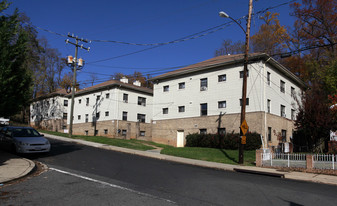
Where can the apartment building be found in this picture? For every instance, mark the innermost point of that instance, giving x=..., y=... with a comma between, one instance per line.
x=112, y=108
x=50, y=111
x=206, y=98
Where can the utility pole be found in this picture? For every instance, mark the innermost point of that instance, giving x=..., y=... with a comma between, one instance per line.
x=244, y=85
x=73, y=62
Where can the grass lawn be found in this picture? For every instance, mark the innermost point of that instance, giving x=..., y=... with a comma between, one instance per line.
x=130, y=144
x=207, y=154
x=211, y=154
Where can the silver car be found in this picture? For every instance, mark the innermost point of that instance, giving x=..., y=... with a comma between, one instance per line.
x=23, y=140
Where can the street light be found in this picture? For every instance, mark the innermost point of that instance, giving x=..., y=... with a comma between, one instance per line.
x=243, y=123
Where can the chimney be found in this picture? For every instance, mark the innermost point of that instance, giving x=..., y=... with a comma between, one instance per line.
x=124, y=80
x=137, y=83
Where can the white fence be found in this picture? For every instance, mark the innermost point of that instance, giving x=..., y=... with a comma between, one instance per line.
x=284, y=160
x=324, y=161
x=319, y=161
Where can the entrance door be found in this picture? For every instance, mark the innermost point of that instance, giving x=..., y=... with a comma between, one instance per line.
x=180, y=138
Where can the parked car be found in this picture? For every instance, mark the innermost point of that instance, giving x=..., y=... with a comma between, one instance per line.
x=4, y=121
x=23, y=140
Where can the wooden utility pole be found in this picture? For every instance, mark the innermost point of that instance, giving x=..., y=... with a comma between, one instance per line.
x=244, y=86
x=74, y=62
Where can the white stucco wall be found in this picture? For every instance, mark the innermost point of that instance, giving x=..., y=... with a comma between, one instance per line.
x=114, y=105
x=258, y=91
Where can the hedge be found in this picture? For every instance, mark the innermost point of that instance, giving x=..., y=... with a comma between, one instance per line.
x=229, y=141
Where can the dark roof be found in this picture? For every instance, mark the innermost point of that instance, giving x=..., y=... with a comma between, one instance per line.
x=112, y=84
x=59, y=92
x=228, y=60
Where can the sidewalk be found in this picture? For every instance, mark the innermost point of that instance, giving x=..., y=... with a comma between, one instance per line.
x=13, y=167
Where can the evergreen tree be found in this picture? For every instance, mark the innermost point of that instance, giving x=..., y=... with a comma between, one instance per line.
x=15, y=78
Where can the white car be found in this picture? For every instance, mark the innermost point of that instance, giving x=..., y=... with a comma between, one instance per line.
x=23, y=140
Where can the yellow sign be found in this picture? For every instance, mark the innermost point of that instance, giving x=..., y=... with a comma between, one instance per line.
x=243, y=140
x=244, y=127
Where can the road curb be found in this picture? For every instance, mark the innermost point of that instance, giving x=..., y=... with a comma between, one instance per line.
x=272, y=174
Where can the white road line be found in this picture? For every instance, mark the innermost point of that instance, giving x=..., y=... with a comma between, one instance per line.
x=109, y=184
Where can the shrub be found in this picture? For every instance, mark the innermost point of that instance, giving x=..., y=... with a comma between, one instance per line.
x=229, y=141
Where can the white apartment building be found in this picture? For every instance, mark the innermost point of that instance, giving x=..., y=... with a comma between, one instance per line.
x=112, y=108
x=50, y=111
x=206, y=97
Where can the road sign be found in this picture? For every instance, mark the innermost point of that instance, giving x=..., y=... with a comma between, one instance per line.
x=243, y=140
x=244, y=127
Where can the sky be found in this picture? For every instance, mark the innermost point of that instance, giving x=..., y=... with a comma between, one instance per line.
x=141, y=22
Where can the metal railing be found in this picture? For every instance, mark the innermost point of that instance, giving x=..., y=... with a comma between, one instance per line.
x=321, y=161
x=284, y=160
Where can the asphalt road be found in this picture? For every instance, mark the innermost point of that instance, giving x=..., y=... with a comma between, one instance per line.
x=82, y=175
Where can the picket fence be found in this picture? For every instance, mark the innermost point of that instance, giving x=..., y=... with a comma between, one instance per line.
x=320, y=161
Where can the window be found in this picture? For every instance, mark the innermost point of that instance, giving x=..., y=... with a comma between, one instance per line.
x=165, y=110
x=52, y=114
x=142, y=133
x=203, y=84
x=65, y=115
x=284, y=135
x=86, y=132
x=105, y=131
x=182, y=85
x=142, y=101
x=181, y=109
x=65, y=103
x=53, y=101
x=293, y=114
x=222, y=78
x=125, y=98
x=283, y=111
x=222, y=104
x=107, y=95
x=203, y=131
x=86, y=117
x=269, y=134
x=79, y=117
x=166, y=88
x=241, y=74
x=87, y=102
x=96, y=132
x=268, y=78
x=123, y=132
x=141, y=117
x=268, y=105
x=125, y=116
x=98, y=97
x=97, y=115
x=106, y=113
x=292, y=91
x=203, y=109
x=222, y=131
x=79, y=101
x=247, y=102
x=282, y=86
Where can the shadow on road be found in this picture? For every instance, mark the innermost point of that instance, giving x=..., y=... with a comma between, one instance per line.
x=57, y=148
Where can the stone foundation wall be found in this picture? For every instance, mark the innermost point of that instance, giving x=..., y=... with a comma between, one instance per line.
x=115, y=129
x=165, y=131
x=56, y=125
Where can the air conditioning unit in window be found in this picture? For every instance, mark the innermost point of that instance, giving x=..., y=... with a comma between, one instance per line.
x=283, y=114
x=203, y=88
